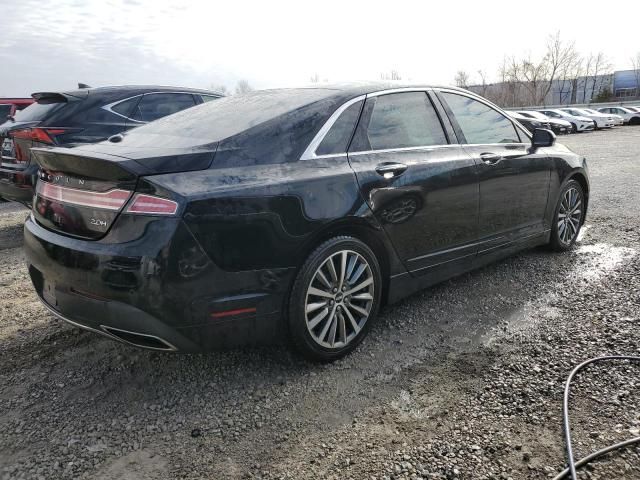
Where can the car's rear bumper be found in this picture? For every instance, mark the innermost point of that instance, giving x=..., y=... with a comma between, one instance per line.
x=18, y=185
x=146, y=293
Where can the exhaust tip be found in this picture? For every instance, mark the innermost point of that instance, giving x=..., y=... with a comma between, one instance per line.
x=141, y=340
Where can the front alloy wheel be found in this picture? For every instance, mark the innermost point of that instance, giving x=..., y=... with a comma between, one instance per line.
x=568, y=217
x=334, y=299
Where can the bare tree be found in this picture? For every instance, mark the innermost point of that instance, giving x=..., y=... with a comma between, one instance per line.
x=483, y=82
x=596, y=66
x=392, y=75
x=568, y=78
x=243, y=86
x=636, y=72
x=559, y=59
x=462, y=79
x=315, y=78
x=220, y=88
x=530, y=80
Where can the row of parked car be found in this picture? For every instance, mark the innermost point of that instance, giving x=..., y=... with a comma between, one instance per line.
x=574, y=120
x=90, y=115
x=71, y=118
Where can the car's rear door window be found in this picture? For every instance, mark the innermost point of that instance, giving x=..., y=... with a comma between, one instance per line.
x=480, y=124
x=399, y=120
x=153, y=106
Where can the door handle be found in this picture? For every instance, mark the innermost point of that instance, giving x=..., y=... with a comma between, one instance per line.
x=390, y=170
x=490, y=158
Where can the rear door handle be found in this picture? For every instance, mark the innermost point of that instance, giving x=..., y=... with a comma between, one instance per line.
x=390, y=170
x=490, y=158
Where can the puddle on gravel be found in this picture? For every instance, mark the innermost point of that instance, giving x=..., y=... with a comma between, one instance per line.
x=601, y=258
x=592, y=263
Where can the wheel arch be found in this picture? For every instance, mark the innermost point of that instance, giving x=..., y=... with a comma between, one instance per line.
x=374, y=237
x=584, y=183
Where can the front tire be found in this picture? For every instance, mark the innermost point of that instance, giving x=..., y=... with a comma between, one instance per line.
x=568, y=217
x=334, y=299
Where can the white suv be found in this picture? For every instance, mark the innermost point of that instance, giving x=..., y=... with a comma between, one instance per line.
x=601, y=120
x=628, y=115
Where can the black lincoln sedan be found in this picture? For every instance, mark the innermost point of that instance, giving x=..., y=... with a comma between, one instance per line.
x=291, y=213
x=80, y=116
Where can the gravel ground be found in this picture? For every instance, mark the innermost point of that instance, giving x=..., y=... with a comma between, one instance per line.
x=463, y=380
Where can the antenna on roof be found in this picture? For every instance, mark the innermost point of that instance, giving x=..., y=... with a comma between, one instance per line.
x=83, y=85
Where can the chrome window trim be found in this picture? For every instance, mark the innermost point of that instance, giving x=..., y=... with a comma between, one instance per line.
x=310, y=151
x=404, y=149
x=109, y=107
x=436, y=147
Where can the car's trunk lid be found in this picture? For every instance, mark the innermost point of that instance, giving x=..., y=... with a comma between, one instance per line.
x=81, y=192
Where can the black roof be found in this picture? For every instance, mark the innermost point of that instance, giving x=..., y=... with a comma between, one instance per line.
x=356, y=89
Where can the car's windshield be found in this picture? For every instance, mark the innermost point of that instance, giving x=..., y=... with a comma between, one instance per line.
x=578, y=112
x=538, y=115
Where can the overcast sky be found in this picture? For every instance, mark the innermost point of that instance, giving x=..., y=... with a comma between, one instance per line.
x=53, y=45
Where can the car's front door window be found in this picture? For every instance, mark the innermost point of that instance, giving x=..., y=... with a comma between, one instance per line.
x=480, y=124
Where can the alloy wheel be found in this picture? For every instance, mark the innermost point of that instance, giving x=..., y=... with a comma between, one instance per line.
x=569, y=215
x=339, y=299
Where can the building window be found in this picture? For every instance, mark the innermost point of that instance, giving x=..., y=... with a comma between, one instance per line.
x=625, y=92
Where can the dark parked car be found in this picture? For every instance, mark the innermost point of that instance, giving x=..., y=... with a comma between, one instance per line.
x=291, y=213
x=529, y=123
x=76, y=117
x=558, y=126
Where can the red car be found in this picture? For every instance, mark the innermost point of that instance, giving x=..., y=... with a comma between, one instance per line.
x=9, y=106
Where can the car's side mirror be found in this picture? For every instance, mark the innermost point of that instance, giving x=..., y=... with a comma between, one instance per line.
x=542, y=138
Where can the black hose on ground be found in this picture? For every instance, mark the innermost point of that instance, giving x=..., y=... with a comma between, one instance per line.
x=573, y=465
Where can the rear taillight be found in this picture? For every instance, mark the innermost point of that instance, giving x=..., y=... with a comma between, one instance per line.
x=41, y=135
x=151, y=205
x=111, y=200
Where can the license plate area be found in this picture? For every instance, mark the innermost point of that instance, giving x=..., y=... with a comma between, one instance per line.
x=49, y=293
x=8, y=149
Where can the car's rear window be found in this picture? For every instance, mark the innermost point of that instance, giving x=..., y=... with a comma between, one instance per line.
x=38, y=111
x=226, y=117
x=4, y=111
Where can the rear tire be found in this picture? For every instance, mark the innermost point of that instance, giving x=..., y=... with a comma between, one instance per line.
x=568, y=217
x=335, y=299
